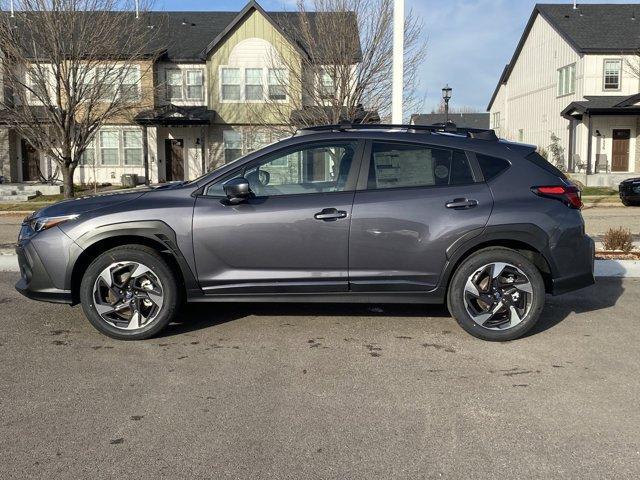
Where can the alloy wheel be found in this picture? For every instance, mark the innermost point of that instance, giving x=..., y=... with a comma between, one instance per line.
x=498, y=296
x=128, y=295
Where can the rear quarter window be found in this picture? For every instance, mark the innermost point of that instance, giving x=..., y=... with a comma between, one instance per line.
x=541, y=162
x=491, y=166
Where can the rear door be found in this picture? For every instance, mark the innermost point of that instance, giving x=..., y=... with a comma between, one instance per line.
x=293, y=236
x=413, y=202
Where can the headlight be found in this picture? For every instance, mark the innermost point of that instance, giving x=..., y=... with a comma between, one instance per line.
x=43, y=223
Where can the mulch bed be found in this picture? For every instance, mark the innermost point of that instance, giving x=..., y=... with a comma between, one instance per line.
x=617, y=255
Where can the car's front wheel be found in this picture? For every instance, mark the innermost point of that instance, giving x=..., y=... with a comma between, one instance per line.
x=496, y=294
x=129, y=293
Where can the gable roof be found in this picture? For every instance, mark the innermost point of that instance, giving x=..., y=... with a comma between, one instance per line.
x=466, y=120
x=589, y=29
x=191, y=36
x=604, y=105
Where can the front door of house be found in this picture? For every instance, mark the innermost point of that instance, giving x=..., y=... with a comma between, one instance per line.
x=174, y=155
x=620, y=153
x=30, y=160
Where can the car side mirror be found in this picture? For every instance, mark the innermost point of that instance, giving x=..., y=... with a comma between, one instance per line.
x=237, y=190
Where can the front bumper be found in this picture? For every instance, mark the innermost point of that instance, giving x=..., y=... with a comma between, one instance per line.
x=43, y=262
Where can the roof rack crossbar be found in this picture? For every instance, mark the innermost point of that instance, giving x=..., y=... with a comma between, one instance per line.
x=477, y=133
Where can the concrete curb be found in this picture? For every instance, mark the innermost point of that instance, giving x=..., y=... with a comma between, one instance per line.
x=603, y=268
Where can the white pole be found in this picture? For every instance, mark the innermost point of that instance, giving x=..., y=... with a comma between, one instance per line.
x=12, y=14
x=398, y=61
x=137, y=9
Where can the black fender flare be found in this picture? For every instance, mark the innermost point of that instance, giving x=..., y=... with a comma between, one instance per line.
x=155, y=231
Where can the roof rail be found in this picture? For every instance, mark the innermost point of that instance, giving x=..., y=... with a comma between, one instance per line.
x=477, y=133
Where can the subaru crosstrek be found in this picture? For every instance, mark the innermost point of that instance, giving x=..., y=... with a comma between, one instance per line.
x=375, y=214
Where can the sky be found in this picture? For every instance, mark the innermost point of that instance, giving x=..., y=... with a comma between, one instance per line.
x=468, y=41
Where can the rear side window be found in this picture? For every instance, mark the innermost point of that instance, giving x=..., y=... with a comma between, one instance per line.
x=395, y=165
x=540, y=161
x=491, y=166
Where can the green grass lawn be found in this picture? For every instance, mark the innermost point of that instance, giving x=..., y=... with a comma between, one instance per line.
x=599, y=191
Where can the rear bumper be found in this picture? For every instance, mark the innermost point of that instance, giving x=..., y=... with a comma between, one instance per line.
x=579, y=273
x=35, y=282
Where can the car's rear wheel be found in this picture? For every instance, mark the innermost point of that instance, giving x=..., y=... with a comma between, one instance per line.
x=129, y=293
x=496, y=294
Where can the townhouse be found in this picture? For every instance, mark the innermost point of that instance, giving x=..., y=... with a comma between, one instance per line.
x=574, y=74
x=209, y=88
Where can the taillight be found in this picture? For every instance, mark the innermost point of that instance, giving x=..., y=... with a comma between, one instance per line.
x=567, y=194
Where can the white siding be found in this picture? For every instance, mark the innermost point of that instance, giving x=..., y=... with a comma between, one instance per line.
x=594, y=70
x=529, y=100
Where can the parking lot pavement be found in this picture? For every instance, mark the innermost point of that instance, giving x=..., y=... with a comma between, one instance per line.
x=599, y=220
x=311, y=391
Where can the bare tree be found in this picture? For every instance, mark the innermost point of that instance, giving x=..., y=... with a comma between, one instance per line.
x=455, y=109
x=70, y=67
x=329, y=77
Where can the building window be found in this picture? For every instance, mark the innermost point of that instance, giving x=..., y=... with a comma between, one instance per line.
x=195, y=84
x=277, y=82
x=119, y=82
x=327, y=85
x=253, y=84
x=495, y=120
x=130, y=85
x=230, y=81
x=567, y=80
x=232, y=145
x=612, y=69
x=174, y=84
x=132, y=142
x=88, y=157
x=109, y=147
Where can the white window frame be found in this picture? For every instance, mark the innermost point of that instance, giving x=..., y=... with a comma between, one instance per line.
x=245, y=84
x=184, y=84
x=118, y=91
x=266, y=83
x=495, y=120
x=83, y=159
x=321, y=86
x=604, y=74
x=566, y=80
x=100, y=160
x=125, y=148
x=30, y=97
x=226, y=133
x=240, y=98
x=200, y=71
x=167, y=71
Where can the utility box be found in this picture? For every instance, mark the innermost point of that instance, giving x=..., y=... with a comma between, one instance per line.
x=129, y=180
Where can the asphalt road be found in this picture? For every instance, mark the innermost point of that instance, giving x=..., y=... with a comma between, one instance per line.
x=322, y=392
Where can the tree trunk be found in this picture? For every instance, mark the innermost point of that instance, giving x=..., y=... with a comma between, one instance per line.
x=67, y=180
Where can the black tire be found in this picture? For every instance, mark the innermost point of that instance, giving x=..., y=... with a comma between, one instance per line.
x=154, y=261
x=456, y=293
x=628, y=203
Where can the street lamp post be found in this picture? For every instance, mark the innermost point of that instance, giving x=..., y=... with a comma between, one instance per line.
x=446, y=96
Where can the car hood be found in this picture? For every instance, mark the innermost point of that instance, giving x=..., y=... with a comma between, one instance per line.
x=87, y=204
x=629, y=180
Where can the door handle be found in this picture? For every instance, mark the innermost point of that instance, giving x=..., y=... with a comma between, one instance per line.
x=461, y=203
x=330, y=214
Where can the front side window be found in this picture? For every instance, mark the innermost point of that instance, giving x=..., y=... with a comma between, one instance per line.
x=174, y=84
x=132, y=143
x=109, y=146
x=402, y=165
x=567, y=80
x=316, y=168
x=277, y=80
x=88, y=157
x=230, y=84
x=612, y=69
x=232, y=141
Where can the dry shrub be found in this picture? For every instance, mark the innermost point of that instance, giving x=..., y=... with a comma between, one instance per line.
x=618, y=239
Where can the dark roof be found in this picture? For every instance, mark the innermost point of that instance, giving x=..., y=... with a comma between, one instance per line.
x=604, y=105
x=594, y=28
x=466, y=120
x=185, y=36
x=318, y=115
x=190, y=36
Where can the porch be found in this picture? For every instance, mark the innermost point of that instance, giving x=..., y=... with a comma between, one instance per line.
x=604, y=143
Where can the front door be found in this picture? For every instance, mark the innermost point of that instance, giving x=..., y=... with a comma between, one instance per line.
x=417, y=202
x=620, y=153
x=174, y=155
x=293, y=236
x=30, y=159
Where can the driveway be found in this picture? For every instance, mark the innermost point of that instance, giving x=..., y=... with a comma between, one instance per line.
x=322, y=392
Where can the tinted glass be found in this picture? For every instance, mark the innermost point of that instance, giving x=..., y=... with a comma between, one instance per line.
x=402, y=165
x=540, y=161
x=491, y=166
x=310, y=169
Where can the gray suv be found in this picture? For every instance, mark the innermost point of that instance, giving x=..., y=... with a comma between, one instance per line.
x=343, y=213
